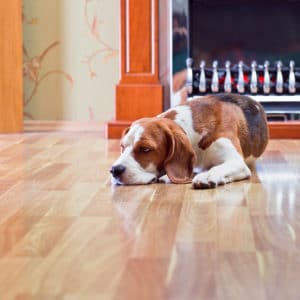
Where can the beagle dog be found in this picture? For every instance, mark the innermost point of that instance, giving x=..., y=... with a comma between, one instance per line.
x=217, y=135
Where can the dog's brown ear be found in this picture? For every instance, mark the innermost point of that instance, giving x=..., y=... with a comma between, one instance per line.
x=181, y=157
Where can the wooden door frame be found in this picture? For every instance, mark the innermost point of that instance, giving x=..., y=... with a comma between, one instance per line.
x=11, y=77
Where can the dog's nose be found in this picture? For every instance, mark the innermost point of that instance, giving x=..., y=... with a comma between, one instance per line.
x=117, y=170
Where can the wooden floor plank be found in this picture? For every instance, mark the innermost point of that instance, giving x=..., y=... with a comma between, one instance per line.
x=66, y=233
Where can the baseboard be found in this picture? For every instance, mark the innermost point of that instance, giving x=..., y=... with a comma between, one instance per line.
x=284, y=130
x=114, y=129
x=72, y=126
x=278, y=130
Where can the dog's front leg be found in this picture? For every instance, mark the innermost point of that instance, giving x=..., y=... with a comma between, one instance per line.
x=228, y=165
x=229, y=171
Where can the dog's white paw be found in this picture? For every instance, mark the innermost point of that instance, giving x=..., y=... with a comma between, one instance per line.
x=209, y=179
x=164, y=179
x=219, y=176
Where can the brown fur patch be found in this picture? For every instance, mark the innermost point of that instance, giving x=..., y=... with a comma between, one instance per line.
x=154, y=139
x=169, y=114
x=256, y=122
x=170, y=149
x=215, y=118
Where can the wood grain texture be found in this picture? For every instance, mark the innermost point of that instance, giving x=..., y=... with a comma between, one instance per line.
x=139, y=61
x=138, y=102
x=114, y=129
x=75, y=126
x=139, y=92
x=139, y=42
x=11, y=86
x=66, y=233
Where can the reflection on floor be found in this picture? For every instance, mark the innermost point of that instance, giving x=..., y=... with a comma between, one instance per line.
x=66, y=233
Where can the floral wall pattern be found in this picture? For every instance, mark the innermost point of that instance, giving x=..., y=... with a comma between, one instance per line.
x=71, y=59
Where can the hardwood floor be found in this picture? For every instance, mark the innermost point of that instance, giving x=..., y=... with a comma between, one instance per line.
x=66, y=233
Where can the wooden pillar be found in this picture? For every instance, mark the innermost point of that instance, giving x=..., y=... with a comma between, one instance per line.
x=11, y=90
x=139, y=92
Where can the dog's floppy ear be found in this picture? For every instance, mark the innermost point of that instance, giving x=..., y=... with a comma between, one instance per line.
x=181, y=157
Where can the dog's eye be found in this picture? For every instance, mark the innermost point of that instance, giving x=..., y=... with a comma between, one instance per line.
x=144, y=149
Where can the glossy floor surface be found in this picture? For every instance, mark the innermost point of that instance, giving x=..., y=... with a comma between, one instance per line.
x=66, y=233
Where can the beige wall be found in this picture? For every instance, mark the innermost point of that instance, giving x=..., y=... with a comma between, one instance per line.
x=71, y=58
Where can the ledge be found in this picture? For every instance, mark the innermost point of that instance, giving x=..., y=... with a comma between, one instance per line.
x=75, y=126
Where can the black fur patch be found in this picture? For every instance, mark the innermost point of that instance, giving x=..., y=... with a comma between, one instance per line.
x=254, y=115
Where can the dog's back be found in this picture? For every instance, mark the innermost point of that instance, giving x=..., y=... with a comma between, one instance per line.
x=228, y=115
x=256, y=120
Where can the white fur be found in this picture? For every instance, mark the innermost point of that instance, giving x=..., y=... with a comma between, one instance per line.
x=225, y=163
x=185, y=120
x=134, y=173
x=164, y=179
x=228, y=165
x=133, y=135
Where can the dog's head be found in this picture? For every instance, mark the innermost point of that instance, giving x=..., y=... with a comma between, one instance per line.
x=150, y=148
